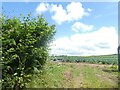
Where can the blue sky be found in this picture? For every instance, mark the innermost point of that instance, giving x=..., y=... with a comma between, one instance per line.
x=83, y=28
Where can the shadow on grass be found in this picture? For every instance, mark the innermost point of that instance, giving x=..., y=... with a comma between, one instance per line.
x=107, y=70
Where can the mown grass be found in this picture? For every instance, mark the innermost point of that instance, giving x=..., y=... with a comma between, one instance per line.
x=75, y=75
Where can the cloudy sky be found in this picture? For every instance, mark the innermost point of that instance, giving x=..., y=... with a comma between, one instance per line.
x=83, y=28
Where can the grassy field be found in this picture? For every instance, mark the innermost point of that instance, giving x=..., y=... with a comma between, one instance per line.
x=102, y=59
x=75, y=75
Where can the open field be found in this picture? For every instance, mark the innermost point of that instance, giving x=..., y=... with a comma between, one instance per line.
x=75, y=75
x=102, y=59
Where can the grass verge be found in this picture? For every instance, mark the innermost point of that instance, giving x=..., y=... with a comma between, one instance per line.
x=75, y=75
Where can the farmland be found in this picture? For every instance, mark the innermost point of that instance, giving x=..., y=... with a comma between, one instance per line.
x=87, y=72
x=103, y=59
x=75, y=75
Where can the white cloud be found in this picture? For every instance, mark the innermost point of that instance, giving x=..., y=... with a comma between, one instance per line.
x=60, y=15
x=89, y=9
x=80, y=27
x=100, y=42
x=41, y=8
x=73, y=11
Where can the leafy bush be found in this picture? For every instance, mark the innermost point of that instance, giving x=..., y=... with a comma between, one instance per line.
x=25, y=42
